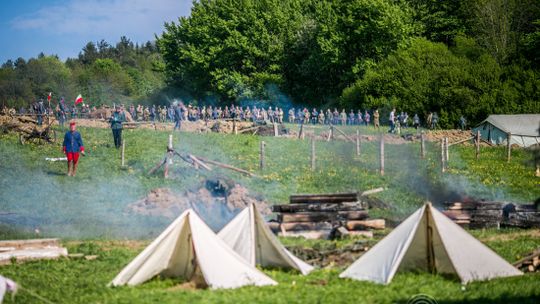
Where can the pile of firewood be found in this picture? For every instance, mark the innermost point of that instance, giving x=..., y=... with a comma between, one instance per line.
x=19, y=124
x=325, y=216
x=530, y=263
x=485, y=214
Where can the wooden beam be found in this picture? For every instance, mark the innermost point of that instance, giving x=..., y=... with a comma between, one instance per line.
x=366, y=224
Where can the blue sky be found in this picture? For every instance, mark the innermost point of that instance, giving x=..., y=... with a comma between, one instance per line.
x=63, y=27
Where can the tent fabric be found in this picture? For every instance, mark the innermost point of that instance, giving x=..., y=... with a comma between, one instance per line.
x=251, y=238
x=189, y=249
x=522, y=127
x=429, y=241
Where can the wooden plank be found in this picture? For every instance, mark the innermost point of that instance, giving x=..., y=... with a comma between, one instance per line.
x=32, y=254
x=365, y=224
x=319, y=207
x=323, y=198
x=364, y=233
x=309, y=234
x=32, y=243
x=296, y=226
x=322, y=216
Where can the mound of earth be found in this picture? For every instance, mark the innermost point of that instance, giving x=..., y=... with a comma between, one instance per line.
x=453, y=135
x=216, y=198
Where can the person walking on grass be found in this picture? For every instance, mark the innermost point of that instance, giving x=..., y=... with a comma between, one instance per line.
x=116, y=120
x=72, y=146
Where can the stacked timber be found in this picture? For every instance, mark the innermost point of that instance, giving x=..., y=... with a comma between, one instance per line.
x=325, y=215
x=487, y=214
x=24, y=250
x=530, y=263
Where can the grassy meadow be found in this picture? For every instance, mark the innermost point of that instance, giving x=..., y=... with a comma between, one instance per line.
x=89, y=212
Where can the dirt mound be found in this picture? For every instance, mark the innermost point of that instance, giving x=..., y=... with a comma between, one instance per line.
x=453, y=135
x=92, y=123
x=329, y=255
x=222, y=198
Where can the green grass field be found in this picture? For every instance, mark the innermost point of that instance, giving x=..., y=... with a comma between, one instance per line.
x=88, y=212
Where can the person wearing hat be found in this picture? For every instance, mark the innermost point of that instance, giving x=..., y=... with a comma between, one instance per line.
x=72, y=146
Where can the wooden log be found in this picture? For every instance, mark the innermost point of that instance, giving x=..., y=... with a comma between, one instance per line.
x=345, y=135
x=461, y=141
x=320, y=207
x=32, y=254
x=365, y=224
x=158, y=166
x=213, y=162
x=32, y=243
x=274, y=226
x=372, y=191
x=295, y=226
x=457, y=215
x=309, y=234
x=364, y=233
x=322, y=216
x=324, y=198
x=199, y=162
x=249, y=129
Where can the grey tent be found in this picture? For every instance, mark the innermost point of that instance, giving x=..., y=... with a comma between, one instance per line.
x=522, y=127
x=429, y=241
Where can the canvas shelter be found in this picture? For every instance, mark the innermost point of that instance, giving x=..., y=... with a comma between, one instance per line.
x=189, y=249
x=429, y=241
x=249, y=235
x=523, y=129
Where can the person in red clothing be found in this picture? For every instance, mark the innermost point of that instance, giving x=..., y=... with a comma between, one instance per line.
x=73, y=145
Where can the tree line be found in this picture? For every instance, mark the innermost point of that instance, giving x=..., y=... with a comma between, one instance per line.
x=102, y=74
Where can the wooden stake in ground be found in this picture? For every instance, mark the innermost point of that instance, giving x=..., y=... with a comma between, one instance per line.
x=261, y=156
x=357, y=142
x=478, y=144
x=301, y=132
x=508, y=147
x=422, y=145
x=312, y=154
x=344, y=134
x=442, y=156
x=446, y=154
x=276, y=132
x=381, y=155
x=123, y=151
x=331, y=134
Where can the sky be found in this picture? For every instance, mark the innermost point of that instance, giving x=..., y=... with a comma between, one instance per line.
x=64, y=27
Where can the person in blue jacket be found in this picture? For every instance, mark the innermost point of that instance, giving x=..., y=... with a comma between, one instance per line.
x=72, y=146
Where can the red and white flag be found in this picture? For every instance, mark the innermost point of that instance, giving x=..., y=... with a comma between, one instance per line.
x=49, y=96
x=78, y=100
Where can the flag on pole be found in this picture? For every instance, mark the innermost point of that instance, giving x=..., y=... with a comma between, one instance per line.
x=78, y=100
x=49, y=96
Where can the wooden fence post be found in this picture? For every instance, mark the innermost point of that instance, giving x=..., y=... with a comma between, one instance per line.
x=357, y=142
x=422, y=145
x=123, y=151
x=381, y=155
x=442, y=156
x=276, y=132
x=446, y=153
x=312, y=154
x=477, y=144
x=261, y=156
x=508, y=147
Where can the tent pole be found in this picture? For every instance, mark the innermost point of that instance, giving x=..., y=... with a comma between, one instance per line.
x=508, y=147
x=429, y=243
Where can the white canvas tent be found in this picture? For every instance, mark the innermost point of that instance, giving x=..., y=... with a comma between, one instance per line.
x=522, y=127
x=429, y=241
x=251, y=238
x=189, y=249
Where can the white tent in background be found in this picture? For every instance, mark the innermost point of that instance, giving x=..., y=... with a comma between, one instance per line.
x=189, y=249
x=249, y=235
x=429, y=241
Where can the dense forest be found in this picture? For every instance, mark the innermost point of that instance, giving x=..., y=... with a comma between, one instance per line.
x=456, y=57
